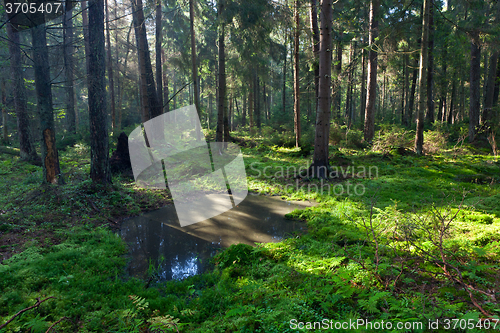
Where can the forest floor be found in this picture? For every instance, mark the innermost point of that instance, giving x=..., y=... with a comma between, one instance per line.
x=393, y=239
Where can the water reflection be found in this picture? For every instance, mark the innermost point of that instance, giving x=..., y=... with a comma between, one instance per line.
x=157, y=239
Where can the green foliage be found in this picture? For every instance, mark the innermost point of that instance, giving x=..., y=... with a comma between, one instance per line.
x=392, y=137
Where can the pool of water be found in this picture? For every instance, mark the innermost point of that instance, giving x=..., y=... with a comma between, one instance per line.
x=157, y=239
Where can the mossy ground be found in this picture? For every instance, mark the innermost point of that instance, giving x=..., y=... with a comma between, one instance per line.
x=63, y=247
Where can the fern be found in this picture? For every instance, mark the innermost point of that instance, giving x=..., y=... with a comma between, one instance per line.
x=370, y=305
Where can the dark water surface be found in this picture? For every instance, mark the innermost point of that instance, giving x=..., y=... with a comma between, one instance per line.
x=178, y=252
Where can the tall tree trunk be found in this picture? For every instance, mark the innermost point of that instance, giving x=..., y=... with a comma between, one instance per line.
x=5, y=132
x=430, y=69
x=315, y=46
x=419, y=136
x=404, y=97
x=159, y=54
x=497, y=85
x=475, y=78
x=348, y=99
x=321, y=139
x=99, y=145
x=165, y=83
x=296, y=78
x=490, y=90
x=337, y=89
x=257, y=101
x=110, y=70
x=26, y=146
x=196, y=89
x=150, y=105
x=50, y=159
x=251, y=105
x=244, y=111
x=411, y=103
x=452, y=98
x=362, y=93
x=371, y=92
x=85, y=22
x=284, y=75
x=222, y=77
x=68, y=66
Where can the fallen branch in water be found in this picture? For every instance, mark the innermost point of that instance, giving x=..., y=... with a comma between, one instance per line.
x=24, y=310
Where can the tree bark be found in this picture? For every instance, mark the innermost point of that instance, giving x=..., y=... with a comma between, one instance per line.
x=490, y=90
x=5, y=132
x=27, y=149
x=430, y=70
x=50, y=159
x=159, y=54
x=99, y=146
x=475, y=78
x=68, y=66
x=315, y=46
x=363, y=87
x=222, y=77
x=321, y=140
x=284, y=75
x=419, y=136
x=150, y=105
x=196, y=91
x=296, y=78
x=110, y=70
x=165, y=83
x=369, y=129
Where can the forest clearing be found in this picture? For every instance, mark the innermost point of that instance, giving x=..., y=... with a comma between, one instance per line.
x=366, y=134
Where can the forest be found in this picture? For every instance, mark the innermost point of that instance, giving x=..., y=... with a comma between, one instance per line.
x=367, y=130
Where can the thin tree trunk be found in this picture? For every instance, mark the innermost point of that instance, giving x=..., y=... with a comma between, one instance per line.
x=50, y=159
x=251, y=105
x=5, y=132
x=110, y=70
x=257, y=101
x=321, y=139
x=85, y=22
x=27, y=149
x=68, y=66
x=284, y=75
x=419, y=136
x=195, y=68
x=475, y=78
x=411, y=103
x=363, y=86
x=244, y=115
x=165, y=83
x=296, y=78
x=159, y=55
x=337, y=88
x=315, y=46
x=430, y=70
x=371, y=92
x=150, y=105
x=452, y=99
x=99, y=146
x=490, y=90
x=222, y=78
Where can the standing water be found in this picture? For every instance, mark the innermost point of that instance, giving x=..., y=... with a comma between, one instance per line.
x=178, y=252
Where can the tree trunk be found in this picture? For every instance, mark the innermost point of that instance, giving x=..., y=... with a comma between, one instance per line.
x=419, y=136
x=321, y=139
x=5, y=132
x=222, y=78
x=371, y=92
x=165, y=83
x=337, y=89
x=296, y=78
x=251, y=105
x=411, y=103
x=475, y=78
x=99, y=147
x=452, y=98
x=284, y=75
x=244, y=115
x=315, y=46
x=50, y=159
x=363, y=87
x=257, y=102
x=27, y=149
x=68, y=66
x=351, y=70
x=194, y=67
x=85, y=22
x=490, y=91
x=159, y=54
x=430, y=70
x=110, y=70
x=150, y=105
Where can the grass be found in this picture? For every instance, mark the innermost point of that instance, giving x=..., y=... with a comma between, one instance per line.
x=375, y=256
